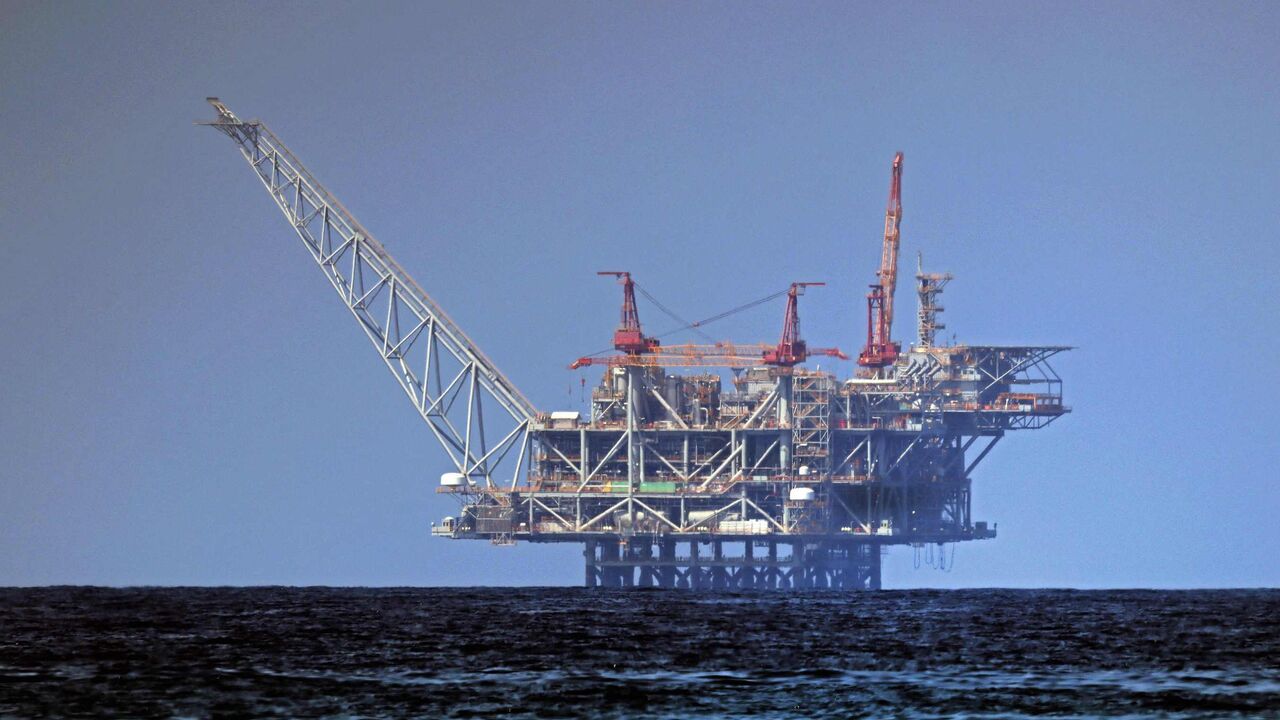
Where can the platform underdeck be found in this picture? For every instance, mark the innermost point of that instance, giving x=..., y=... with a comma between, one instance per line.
x=759, y=565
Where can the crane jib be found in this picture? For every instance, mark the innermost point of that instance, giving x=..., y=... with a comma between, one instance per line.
x=440, y=368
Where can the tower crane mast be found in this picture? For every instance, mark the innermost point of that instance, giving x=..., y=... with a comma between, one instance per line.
x=629, y=337
x=791, y=350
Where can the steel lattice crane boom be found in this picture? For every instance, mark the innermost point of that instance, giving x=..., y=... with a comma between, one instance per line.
x=454, y=386
x=881, y=350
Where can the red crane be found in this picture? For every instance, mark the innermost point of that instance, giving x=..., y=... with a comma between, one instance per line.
x=791, y=350
x=881, y=350
x=641, y=351
x=628, y=338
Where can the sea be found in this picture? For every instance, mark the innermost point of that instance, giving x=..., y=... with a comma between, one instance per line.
x=623, y=653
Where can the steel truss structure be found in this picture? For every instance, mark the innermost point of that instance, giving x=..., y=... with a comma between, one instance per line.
x=448, y=379
x=775, y=477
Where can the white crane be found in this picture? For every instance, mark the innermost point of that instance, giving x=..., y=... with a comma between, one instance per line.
x=461, y=394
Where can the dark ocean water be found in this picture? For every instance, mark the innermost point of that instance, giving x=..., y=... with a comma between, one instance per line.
x=342, y=652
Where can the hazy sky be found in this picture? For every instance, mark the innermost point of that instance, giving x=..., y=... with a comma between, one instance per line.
x=184, y=401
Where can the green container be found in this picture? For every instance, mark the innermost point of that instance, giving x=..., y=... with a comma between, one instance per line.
x=658, y=487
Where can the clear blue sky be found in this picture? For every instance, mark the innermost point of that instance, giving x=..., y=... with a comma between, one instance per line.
x=184, y=402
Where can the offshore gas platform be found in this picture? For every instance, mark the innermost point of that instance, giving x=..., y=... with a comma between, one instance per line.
x=718, y=465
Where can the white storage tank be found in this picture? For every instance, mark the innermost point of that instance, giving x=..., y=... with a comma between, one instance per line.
x=698, y=516
x=744, y=527
x=804, y=470
x=801, y=494
x=453, y=479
